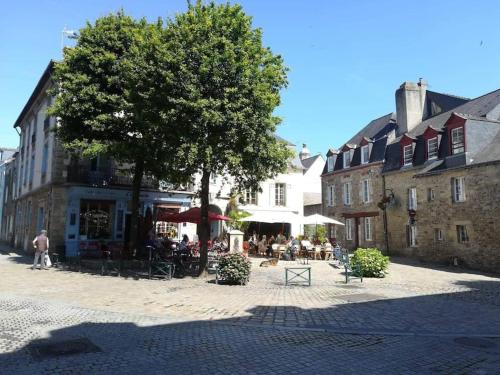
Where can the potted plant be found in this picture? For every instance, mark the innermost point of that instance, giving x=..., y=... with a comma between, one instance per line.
x=234, y=269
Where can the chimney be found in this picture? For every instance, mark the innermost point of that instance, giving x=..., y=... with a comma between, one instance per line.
x=410, y=103
x=304, y=153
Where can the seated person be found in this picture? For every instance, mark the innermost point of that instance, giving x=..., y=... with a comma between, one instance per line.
x=270, y=244
x=184, y=244
x=293, y=247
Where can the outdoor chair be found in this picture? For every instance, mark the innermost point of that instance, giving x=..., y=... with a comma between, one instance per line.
x=351, y=271
x=317, y=252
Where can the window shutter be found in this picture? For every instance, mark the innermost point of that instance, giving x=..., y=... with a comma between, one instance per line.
x=288, y=193
x=462, y=185
x=453, y=198
x=272, y=196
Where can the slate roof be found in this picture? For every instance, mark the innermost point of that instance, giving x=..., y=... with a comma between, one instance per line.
x=375, y=128
x=306, y=163
x=311, y=199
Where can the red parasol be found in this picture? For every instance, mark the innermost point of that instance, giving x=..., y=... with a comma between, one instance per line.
x=193, y=215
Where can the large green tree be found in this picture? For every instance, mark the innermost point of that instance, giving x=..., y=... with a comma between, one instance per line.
x=225, y=87
x=111, y=98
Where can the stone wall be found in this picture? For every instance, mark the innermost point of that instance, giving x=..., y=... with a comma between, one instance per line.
x=357, y=206
x=479, y=213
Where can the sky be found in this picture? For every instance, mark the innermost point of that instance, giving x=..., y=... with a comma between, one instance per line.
x=346, y=58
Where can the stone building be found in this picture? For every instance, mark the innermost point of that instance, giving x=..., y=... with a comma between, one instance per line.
x=7, y=171
x=436, y=173
x=81, y=202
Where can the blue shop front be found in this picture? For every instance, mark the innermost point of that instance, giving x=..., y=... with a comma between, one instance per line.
x=101, y=215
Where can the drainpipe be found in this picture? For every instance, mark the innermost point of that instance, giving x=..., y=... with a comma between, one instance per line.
x=384, y=215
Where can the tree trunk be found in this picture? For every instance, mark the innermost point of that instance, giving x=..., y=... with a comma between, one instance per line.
x=134, y=218
x=204, y=224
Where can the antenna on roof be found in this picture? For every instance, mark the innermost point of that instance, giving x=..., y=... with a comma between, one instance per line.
x=69, y=34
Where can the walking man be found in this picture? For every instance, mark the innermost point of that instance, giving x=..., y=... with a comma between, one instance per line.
x=41, y=244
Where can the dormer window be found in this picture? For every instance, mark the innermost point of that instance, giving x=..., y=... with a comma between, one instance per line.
x=347, y=158
x=457, y=141
x=365, y=154
x=432, y=148
x=408, y=155
x=331, y=163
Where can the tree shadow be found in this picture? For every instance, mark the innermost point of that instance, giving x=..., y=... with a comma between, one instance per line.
x=359, y=332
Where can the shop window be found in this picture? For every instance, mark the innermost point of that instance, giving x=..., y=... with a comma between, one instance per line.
x=411, y=235
x=96, y=219
x=348, y=229
x=368, y=229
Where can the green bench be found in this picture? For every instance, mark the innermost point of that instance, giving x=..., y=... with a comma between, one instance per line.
x=351, y=271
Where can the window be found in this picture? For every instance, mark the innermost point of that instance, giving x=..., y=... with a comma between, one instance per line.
x=457, y=141
x=250, y=196
x=408, y=155
x=438, y=234
x=462, y=235
x=411, y=235
x=365, y=154
x=347, y=158
x=412, y=198
x=331, y=163
x=368, y=228
x=40, y=223
x=330, y=195
x=213, y=178
x=366, y=189
x=347, y=193
x=430, y=194
x=32, y=168
x=458, y=186
x=348, y=229
x=45, y=158
x=432, y=148
x=96, y=219
x=333, y=231
x=280, y=195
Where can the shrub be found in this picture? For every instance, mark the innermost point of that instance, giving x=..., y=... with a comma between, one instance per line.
x=234, y=268
x=371, y=261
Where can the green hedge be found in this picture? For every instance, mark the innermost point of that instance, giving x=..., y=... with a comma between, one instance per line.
x=234, y=268
x=372, y=262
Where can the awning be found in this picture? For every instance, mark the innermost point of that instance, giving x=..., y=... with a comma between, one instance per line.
x=193, y=215
x=273, y=217
x=320, y=219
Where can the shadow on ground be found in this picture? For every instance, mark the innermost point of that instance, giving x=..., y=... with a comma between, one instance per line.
x=445, y=333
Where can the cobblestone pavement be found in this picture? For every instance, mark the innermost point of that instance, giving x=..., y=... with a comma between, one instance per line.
x=416, y=320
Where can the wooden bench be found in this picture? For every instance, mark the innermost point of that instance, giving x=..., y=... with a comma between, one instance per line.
x=297, y=273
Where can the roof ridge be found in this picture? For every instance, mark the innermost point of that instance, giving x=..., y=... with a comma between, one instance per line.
x=450, y=95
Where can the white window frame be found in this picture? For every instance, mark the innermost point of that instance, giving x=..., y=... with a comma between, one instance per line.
x=346, y=191
x=459, y=189
x=333, y=231
x=432, y=154
x=250, y=197
x=438, y=234
x=365, y=160
x=348, y=229
x=366, y=190
x=412, y=198
x=331, y=163
x=408, y=159
x=368, y=229
x=344, y=159
x=462, y=234
x=280, y=194
x=330, y=195
x=457, y=140
x=412, y=234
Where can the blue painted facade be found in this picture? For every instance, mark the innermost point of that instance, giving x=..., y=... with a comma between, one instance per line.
x=121, y=198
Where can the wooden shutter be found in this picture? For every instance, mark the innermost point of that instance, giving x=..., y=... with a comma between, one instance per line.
x=272, y=196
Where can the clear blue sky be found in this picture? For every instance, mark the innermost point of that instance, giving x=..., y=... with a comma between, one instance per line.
x=346, y=57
